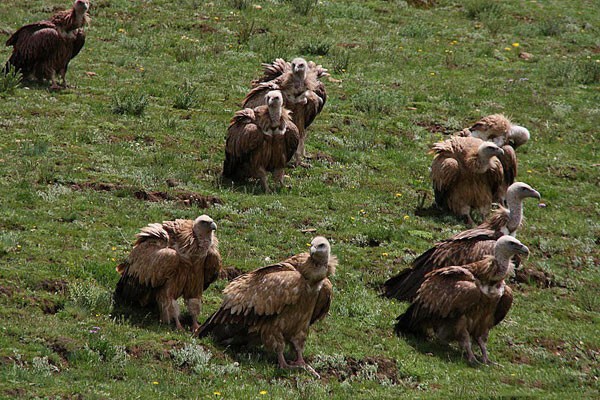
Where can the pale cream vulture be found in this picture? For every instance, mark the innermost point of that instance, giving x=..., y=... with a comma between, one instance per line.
x=462, y=303
x=303, y=92
x=275, y=305
x=169, y=260
x=463, y=248
x=467, y=175
x=260, y=140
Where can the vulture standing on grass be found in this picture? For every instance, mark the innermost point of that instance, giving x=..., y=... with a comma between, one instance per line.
x=169, y=260
x=275, y=305
x=466, y=175
x=42, y=50
x=303, y=92
x=464, y=248
x=462, y=303
x=260, y=140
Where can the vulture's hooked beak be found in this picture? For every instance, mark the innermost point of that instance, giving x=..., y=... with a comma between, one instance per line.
x=523, y=250
x=536, y=194
x=313, y=250
x=213, y=226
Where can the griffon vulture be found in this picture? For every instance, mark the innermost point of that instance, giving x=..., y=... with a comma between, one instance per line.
x=498, y=129
x=260, y=140
x=464, y=248
x=42, y=50
x=303, y=92
x=169, y=260
x=466, y=175
x=275, y=305
x=462, y=303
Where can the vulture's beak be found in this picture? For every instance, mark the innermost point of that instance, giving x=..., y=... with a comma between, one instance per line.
x=500, y=151
x=536, y=194
x=313, y=249
x=213, y=226
x=523, y=250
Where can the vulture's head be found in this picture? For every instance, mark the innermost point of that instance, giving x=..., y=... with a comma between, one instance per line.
x=299, y=67
x=487, y=150
x=204, y=226
x=518, y=135
x=274, y=99
x=320, y=249
x=494, y=127
x=520, y=191
x=508, y=246
x=81, y=6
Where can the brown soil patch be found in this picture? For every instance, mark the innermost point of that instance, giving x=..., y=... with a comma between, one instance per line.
x=536, y=277
x=319, y=155
x=386, y=369
x=7, y=291
x=50, y=306
x=53, y=286
x=230, y=273
x=434, y=127
x=182, y=197
x=63, y=346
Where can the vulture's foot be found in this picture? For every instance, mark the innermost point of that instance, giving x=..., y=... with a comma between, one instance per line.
x=195, y=326
x=55, y=87
x=302, y=364
x=304, y=165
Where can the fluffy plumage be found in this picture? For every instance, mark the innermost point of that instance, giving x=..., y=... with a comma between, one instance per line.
x=463, y=248
x=303, y=92
x=275, y=305
x=169, y=260
x=462, y=303
x=260, y=140
x=466, y=175
x=498, y=129
x=43, y=50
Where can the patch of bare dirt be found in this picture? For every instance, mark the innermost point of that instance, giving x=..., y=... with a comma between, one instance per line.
x=386, y=369
x=53, y=285
x=182, y=197
x=49, y=306
x=7, y=291
x=536, y=277
x=319, y=155
x=63, y=346
x=435, y=127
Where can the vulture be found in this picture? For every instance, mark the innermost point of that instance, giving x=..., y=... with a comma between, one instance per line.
x=303, y=92
x=275, y=305
x=466, y=175
x=462, y=303
x=169, y=260
x=463, y=248
x=43, y=50
x=260, y=140
x=498, y=129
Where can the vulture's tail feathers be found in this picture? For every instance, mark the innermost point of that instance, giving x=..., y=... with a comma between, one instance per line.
x=129, y=291
x=405, y=285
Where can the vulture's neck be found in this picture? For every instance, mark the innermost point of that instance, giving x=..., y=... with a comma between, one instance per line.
x=274, y=115
x=298, y=78
x=314, y=270
x=483, y=163
x=503, y=261
x=515, y=215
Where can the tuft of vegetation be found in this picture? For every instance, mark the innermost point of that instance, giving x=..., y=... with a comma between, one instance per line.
x=302, y=7
x=186, y=97
x=10, y=80
x=483, y=9
x=239, y=4
x=317, y=48
x=129, y=104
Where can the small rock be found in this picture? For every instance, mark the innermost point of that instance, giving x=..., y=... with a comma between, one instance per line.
x=525, y=56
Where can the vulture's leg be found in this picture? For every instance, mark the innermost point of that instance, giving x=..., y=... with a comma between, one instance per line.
x=54, y=85
x=63, y=76
x=175, y=314
x=298, y=343
x=278, y=175
x=262, y=175
x=465, y=342
x=281, y=360
x=482, y=342
x=194, y=306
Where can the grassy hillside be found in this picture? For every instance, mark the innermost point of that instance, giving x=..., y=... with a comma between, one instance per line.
x=154, y=89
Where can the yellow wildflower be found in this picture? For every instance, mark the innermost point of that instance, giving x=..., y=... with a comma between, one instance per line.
x=515, y=44
x=262, y=392
x=398, y=194
x=121, y=30
x=217, y=393
x=113, y=248
x=406, y=217
x=155, y=383
x=384, y=254
x=507, y=49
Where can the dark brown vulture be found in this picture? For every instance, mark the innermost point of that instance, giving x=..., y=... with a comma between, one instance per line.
x=466, y=175
x=260, y=140
x=462, y=303
x=303, y=92
x=43, y=50
x=464, y=248
x=275, y=305
x=169, y=260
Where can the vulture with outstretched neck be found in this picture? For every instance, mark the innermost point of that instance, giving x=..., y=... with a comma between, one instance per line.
x=170, y=260
x=466, y=175
x=260, y=140
x=276, y=305
x=463, y=248
x=303, y=92
x=462, y=303
x=43, y=50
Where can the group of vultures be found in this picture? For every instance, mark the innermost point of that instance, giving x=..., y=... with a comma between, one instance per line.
x=457, y=289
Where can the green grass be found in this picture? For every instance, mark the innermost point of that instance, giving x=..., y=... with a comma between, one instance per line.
x=167, y=78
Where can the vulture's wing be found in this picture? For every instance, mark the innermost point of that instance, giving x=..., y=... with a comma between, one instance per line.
x=212, y=266
x=273, y=71
x=78, y=42
x=292, y=138
x=497, y=222
x=323, y=302
x=32, y=43
x=256, y=96
x=312, y=108
x=509, y=165
x=464, y=248
x=243, y=137
x=504, y=305
x=445, y=171
x=495, y=179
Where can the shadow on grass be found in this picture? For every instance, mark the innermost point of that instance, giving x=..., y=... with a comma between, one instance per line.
x=434, y=348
